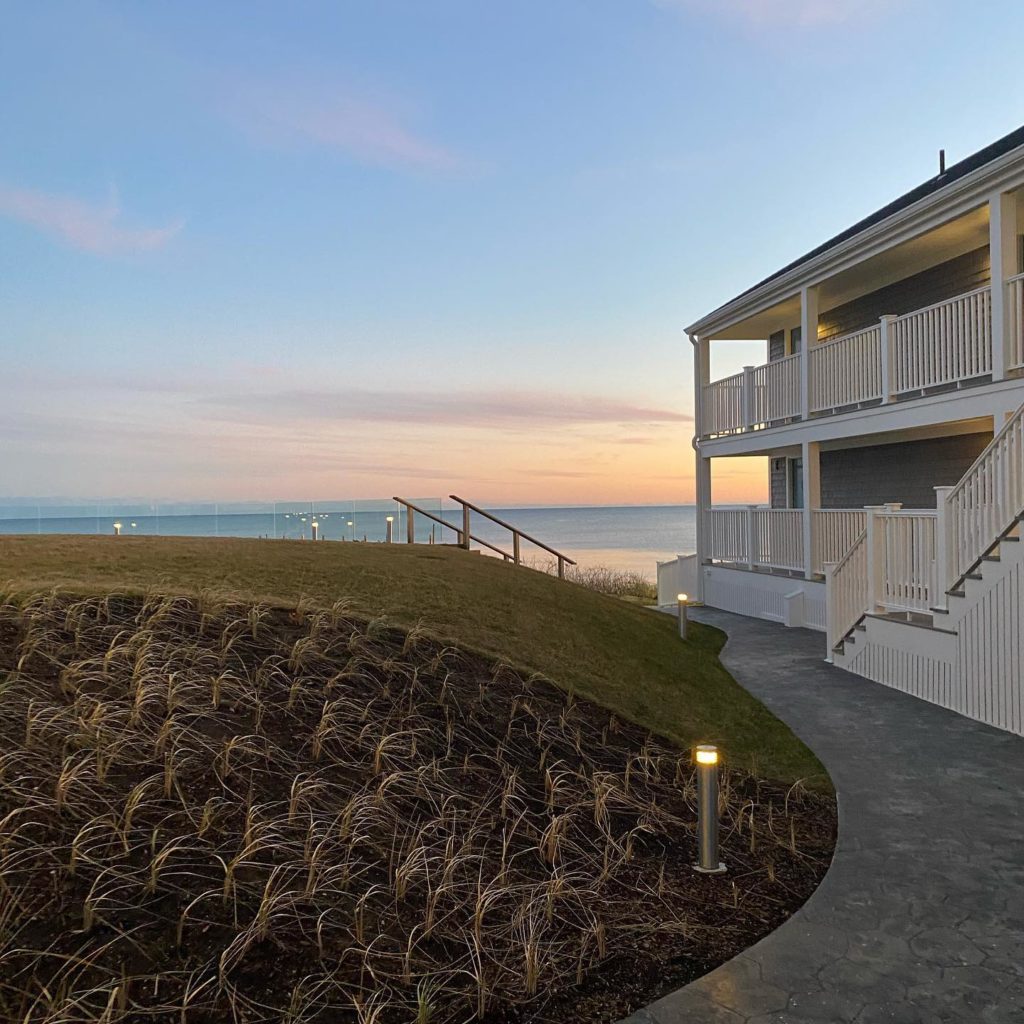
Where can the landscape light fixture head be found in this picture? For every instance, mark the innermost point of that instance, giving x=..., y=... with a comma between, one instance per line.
x=706, y=754
x=682, y=597
x=390, y=519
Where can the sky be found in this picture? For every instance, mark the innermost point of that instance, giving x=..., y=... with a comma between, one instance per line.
x=356, y=248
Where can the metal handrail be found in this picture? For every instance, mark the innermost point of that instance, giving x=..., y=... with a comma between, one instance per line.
x=563, y=560
x=444, y=522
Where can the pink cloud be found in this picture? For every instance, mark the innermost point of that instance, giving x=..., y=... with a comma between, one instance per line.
x=482, y=410
x=802, y=13
x=329, y=116
x=97, y=229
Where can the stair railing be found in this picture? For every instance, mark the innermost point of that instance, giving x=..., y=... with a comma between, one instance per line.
x=517, y=534
x=982, y=507
x=462, y=534
x=847, y=585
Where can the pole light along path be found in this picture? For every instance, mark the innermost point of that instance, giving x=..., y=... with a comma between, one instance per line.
x=390, y=520
x=683, y=600
x=117, y=529
x=708, y=863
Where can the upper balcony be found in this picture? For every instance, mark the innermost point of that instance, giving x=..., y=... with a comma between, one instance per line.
x=923, y=298
x=945, y=345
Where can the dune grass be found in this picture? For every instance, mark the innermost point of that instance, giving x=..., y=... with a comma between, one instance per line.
x=626, y=658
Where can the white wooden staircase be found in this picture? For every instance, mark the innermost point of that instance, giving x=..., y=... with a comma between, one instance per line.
x=932, y=602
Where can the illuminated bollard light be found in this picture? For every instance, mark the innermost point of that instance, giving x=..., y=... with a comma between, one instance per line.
x=391, y=529
x=683, y=618
x=707, y=811
x=117, y=529
x=315, y=527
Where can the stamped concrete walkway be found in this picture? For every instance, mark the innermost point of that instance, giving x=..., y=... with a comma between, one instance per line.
x=920, y=919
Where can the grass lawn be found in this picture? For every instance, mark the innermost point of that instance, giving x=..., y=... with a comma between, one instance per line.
x=627, y=658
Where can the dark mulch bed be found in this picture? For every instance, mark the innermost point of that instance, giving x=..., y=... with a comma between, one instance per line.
x=220, y=812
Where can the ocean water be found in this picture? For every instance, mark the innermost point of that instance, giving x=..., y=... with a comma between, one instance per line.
x=631, y=537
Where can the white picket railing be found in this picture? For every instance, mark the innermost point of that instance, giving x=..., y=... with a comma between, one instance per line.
x=779, y=538
x=846, y=591
x=776, y=390
x=942, y=344
x=1015, y=312
x=835, y=531
x=947, y=343
x=984, y=504
x=846, y=370
x=906, y=560
x=723, y=405
x=756, y=536
x=728, y=534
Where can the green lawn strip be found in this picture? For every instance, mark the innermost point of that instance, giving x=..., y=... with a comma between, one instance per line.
x=626, y=658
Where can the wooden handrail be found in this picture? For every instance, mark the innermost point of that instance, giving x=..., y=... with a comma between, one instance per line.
x=451, y=526
x=563, y=560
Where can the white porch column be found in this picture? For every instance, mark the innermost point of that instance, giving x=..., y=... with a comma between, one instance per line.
x=1002, y=241
x=702, y=475
x=811, y=461
x=808, y=337
x=703, y=498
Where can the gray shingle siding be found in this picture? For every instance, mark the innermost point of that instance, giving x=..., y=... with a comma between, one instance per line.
x=954, y=277
x=906, y=472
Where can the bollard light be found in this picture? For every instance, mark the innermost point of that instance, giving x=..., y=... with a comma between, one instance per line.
x=683, y=600
x=708, y=863
x=315, y=527
x=117, y=529
x=391, y=528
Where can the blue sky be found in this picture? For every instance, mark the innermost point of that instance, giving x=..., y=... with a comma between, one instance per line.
x=358, y=248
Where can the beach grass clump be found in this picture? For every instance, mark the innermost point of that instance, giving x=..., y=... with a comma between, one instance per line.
x=622, y=583
x=217, y=810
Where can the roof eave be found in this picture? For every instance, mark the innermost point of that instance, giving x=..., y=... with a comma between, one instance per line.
x=947, y=203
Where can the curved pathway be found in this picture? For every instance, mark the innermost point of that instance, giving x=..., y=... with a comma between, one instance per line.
x=920, y=919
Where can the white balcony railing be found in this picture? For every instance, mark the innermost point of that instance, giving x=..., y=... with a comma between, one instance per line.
x=903, y=542
x=1015, y=311
x=756, y=537
x=724, y=404
x=891, y=567
x=942, y=344
x=947, y=343
x=846, y=371
x=775, y=391
x=835, y=531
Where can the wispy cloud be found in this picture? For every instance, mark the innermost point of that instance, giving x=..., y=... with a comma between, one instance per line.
x=483, y=410
x=329, y=115
x=82, y=225
x=802, y=13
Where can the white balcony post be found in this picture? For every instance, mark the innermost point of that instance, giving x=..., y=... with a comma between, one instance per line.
x=830, y=609
x=703, y=498
x=943, y=549
x=751, y=537
x=701, y=377
x=808, y=337
x=876, y=556
x=811, y=461
x=1002, y=241
x=885, y=355
x=748, y=397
